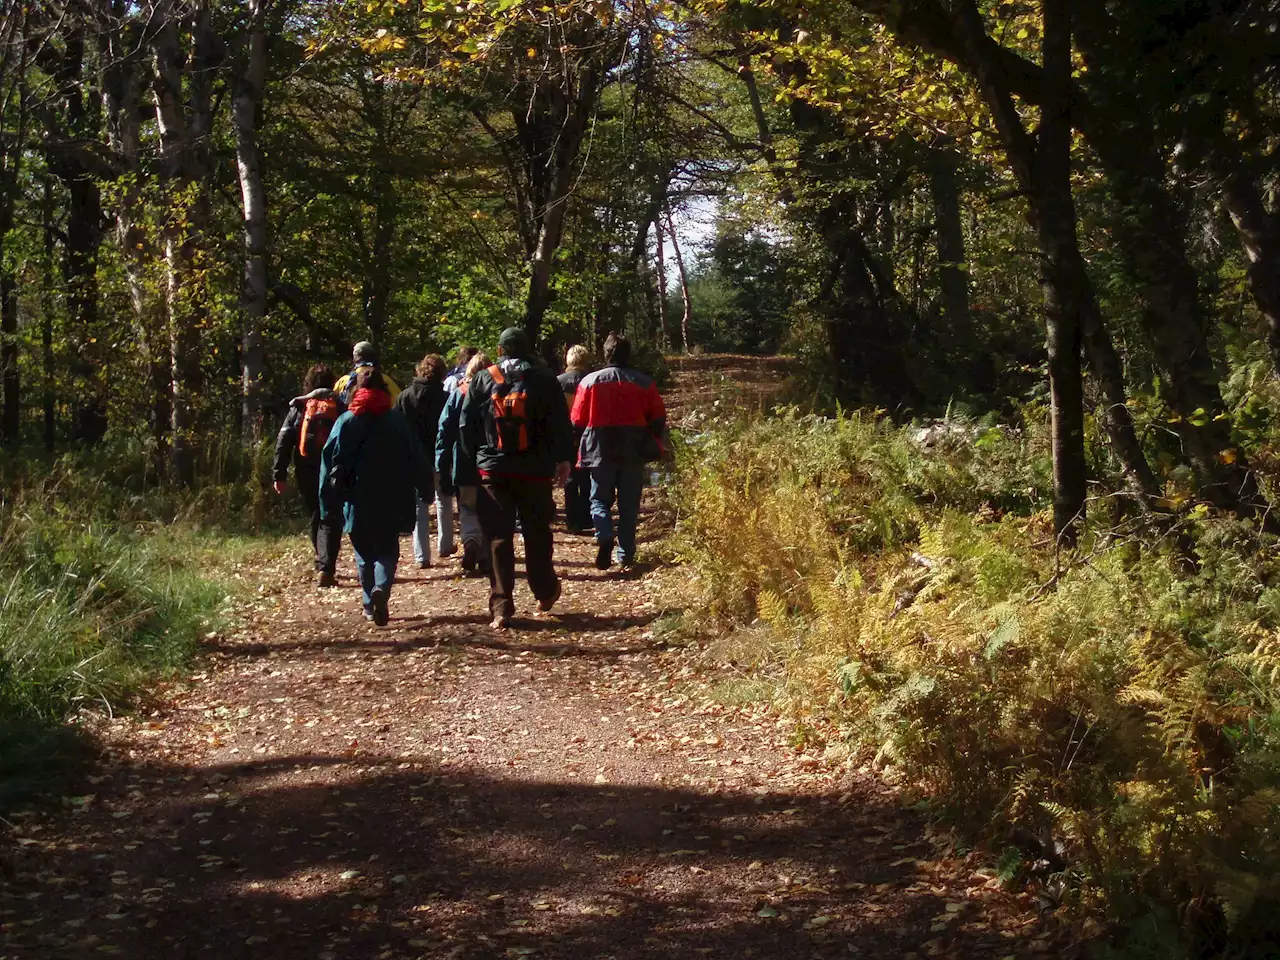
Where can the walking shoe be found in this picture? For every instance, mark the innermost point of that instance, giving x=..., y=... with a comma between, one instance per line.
x=424, y=564
x=549, y=602
x=448, y=553
x=501, y=622
x=626, y=563
x=468, y=557
x=604, y=555
x=379, y=599
x=326, y=579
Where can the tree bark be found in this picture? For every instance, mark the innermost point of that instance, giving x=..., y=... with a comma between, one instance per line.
x=46, y=320
x=1259, y=233
x=953, y=268
x=687, y=305
x=184, y=140
x=246, y=108
x=11, y=154
x=80, y=264
x=122, y=91
x=663, y=308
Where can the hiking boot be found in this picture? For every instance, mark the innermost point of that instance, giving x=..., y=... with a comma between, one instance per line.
x=379, y=601
x=549, y=602
x=604, y=555
x=501, y=622
x=326, y=579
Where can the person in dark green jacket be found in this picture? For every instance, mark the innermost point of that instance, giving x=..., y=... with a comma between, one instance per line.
x=372, y=470
x=514, y=433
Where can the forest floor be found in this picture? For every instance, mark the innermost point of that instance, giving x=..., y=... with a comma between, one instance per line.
x=322, y=788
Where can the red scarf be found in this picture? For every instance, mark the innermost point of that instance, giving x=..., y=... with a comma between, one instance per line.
x=370, y=401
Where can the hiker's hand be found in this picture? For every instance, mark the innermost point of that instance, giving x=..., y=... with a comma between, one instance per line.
x=278, y=486
x=562, y=471
x=467, y=497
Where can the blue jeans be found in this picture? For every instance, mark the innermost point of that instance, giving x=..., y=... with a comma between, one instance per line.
x=376, y=560
x=444, y=523
x=623, y=483
x=422, y=533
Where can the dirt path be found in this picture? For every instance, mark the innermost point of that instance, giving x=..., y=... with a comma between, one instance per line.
x=325, y=789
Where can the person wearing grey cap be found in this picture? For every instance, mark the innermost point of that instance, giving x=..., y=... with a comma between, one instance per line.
x=364, y=356
x=514, y=434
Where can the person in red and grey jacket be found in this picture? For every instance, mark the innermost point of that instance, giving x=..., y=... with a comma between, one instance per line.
x=624, y=426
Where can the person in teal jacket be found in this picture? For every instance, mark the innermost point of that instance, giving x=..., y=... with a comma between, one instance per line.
x=372, y=470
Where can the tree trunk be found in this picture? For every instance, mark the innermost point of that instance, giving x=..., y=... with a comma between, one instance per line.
x=80, y=262
x=1259, y=233
x=184, y=140
x=684, y=284
x=663, y=307
x=246, y=108
x=552, y=130
x=377, y=285
x=121, y=88
x=46, y=320
x=1062, y=284
x=953, y=268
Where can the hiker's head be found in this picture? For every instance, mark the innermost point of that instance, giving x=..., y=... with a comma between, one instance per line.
x=364, y=353
x=479, y=360
x=514, y=343
x=430, y=367
x=617, y=349
x=578, y=358
x=318, y=376
x=465, y=354
x=370, y=379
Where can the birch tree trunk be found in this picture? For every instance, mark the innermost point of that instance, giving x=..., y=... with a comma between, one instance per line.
x=684, y=283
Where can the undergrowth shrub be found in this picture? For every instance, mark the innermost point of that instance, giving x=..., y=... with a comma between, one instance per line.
x=1115, y=709
x=108, y=578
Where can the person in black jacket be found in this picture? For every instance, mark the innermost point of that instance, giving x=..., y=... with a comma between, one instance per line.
x=302, y=436
x=514, y=434
x=421, y=403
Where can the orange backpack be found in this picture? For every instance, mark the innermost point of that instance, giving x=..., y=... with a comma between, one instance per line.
x=509, y=398
x=317, y=423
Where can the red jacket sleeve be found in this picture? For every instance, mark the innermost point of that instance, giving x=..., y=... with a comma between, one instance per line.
x=581, y=414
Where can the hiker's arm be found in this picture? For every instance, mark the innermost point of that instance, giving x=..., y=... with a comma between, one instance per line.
x=656, y=415
x=328, y=459
x=470, y=432
x=562, y=446
x=286, y=439
x=581, y=415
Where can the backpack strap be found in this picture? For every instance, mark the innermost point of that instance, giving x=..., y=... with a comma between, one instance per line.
x=495, y=371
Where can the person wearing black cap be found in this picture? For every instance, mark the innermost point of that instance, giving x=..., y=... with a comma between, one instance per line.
x=364, y=356
x=514, y=432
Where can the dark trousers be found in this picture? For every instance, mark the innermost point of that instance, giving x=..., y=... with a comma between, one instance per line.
x=326, y=535
x=577, y=499
x=499, y=502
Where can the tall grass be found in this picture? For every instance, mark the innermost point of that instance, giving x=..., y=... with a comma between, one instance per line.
x=107, y=580
x=1111, y=715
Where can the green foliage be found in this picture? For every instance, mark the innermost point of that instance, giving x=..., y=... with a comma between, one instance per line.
x=105, y=586
x=1121, y=702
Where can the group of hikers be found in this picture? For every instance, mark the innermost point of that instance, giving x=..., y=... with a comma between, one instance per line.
x=489, y=437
